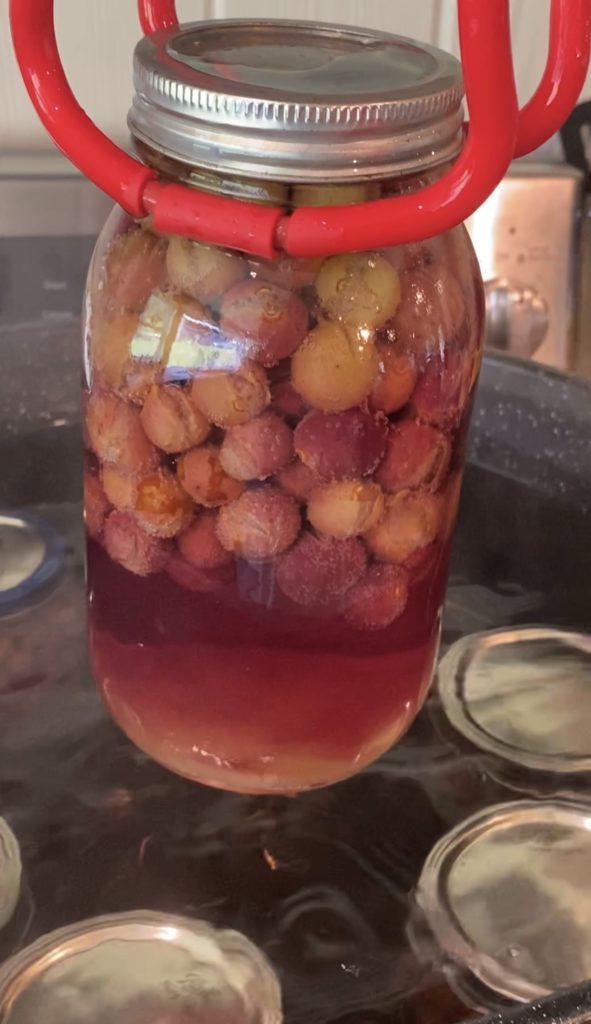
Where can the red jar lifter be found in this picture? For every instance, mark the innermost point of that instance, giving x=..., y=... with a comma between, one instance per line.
x=498, y=131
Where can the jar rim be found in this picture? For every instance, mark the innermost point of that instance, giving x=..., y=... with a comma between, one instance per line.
x=296, y=101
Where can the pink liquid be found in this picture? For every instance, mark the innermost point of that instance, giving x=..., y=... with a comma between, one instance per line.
x=242, y=690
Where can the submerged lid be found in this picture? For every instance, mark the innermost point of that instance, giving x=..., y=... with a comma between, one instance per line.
x=522, y=694
x=10, y=873
x=32, y=560
x=507, y=897
x=139, y=968
x=296, y=100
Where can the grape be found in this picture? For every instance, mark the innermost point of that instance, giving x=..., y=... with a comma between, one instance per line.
x=132, y=547
x=334, y=369
x=422, y=562
x=443, y=389
x=345, y=508
x=318, y=571
x=257, y=449
x=135, y=266
x=116, y=435
x=378, y=599
x=265, y=321
x=111, y=347
x=432, y=309
x=161, y=506
x=199, y=544
x=297, y=480
x=120, y=488
x=396, y=380
x=171, y=419
x=203, y=581
x=200, y=473
x=262, y=523
x=286, y=401
x=360, y=289
x=228, y=399
x=202, y=271
x=412, y=520
x=417, y=455
x=341, y=446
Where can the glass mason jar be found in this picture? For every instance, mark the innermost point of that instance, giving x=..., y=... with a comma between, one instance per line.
x=275, y=447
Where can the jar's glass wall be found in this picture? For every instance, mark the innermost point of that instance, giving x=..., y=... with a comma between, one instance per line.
x=274, y=459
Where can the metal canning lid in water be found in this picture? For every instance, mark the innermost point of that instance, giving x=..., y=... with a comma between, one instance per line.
x=10, y=873
x=32, y=560
x=296, y=101
x=507, y=898
x=522, y=694
x=140, y=968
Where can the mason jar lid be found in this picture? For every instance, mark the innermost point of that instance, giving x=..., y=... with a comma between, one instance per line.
x=33, y=561
x=296, y=101
x=522, y=694
x=506, y=897
x=139, y=968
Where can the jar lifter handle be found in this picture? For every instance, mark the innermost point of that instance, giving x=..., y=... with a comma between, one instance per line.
x=494, y=135
x=564, y=75
x=157, y=14
x=174, y=208
x=35, y=45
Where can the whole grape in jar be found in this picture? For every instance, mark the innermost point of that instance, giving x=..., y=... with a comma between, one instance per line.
x=275, y=446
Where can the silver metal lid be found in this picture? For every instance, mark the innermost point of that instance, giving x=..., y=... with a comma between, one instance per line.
x=295, y=100
x=10, y=873
x=522, y=694
x=507, y=897
x=32, y=560
x=139, y=968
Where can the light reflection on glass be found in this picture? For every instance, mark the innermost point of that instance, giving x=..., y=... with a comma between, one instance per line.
x=183, y=344
x=154, y=328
